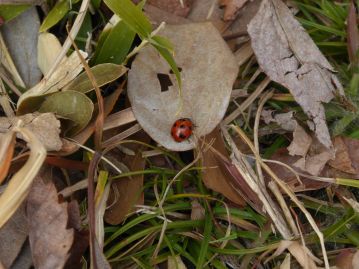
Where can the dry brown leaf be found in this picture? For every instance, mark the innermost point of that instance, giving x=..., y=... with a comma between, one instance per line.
x=126, y=192
x=301, y=253
x=244, y=16
x=353, y=33
x=81, y=236
x=213, y=176
x=204, y=10
x=346, y=155
x=287, y=176
x=301, y=142
x=173, y=6
x=12, y=237
x=45, y=126
x=231, y=8
x=157, y=15
x=24, y=259
x=207, y=80
x=288, y=55
x=50, y=240
x=347, y=259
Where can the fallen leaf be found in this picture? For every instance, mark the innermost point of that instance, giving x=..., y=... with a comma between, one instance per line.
x=288, y=55
x=68, y=70
x=301, y=253
x=81, y=236
x=346, y=156
x=342, y=159
x=71, y=105
x=50, y=240
x=21, y=36
x=243, y=17
x=24, y=259
x=314, y=164
x=301, y=142
x=45, y=127
x=173, y=6
x=204, y=10
x=347, y=258
x=288, y=176
x=231, y=8
x=206, y=88
x=352, y=33
x=126, y=192
x=12, y=237
x=157, y=15
x=214, y=176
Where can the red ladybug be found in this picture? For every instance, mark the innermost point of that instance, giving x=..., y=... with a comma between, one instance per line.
x=182, y=129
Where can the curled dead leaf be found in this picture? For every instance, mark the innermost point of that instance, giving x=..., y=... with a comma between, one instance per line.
x=288, y=55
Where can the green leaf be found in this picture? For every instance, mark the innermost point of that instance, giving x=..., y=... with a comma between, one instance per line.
x=71, y=105
x=114, y=44
x=8, y=12
x=132, y=16
x=56, y=14
x=103, y=73
x=82, y=36
x=162, y=42
x=166, y=54
x=96, y=3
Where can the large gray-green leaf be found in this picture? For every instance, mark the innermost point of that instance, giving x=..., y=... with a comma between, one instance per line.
x=208, y=69
x=71, y=105
x=21, y=35
x=103, y=73
x=288, y=55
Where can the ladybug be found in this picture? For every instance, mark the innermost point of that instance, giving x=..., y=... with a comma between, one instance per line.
x=182, y=129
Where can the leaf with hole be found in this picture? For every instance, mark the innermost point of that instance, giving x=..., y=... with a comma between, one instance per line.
x=206, y=87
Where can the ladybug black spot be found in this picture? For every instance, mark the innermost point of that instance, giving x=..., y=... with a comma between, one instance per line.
x=182, y=126
x=182, y=136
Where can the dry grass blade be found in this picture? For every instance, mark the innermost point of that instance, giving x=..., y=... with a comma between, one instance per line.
x=287, y=190
x=7, y=144
x=20, y=183
x=9, y=65
x=72, y=35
